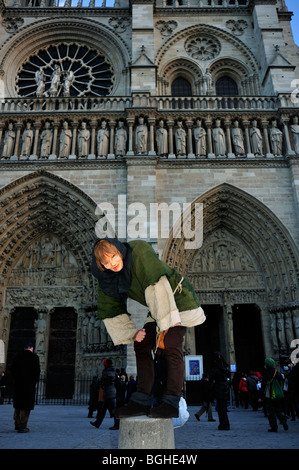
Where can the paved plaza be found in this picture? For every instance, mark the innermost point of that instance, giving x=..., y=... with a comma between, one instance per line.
x=67, y=427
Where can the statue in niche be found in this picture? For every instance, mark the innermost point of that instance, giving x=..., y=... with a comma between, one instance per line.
x=46, y=141
x=289, y=328
x=120, y=140
x=55, y=81
x=280, y=329
x=103, y=140
x=180, y=139
x=219, y=139
x=238, y=139
x=273, y=331
x=256, y=139
x=69, y=78
x=141, y=136
x=275, y=139
x=9, y=141
x=199, y=134
x=207, y=83
x=83, y=140
x=162, y=139
x=27, y=139
x=40, y=330
x=47, y=252
x=40, y=79
x=295, y=133
x=65, y=141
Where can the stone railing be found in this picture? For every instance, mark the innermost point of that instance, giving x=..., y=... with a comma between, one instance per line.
x=202, y=3
x=145, y=100
x=67, y=3
x=37, y=134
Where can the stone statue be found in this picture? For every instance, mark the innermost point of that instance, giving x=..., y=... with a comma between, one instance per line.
x=27, y=139
x=295, y=133
x=273, y=331
x=207, y=83
x=55, y=81
x=219, y=139
x=40, y=331
x=162, y=139
x=46, y=141
x=141, y=136
x=69, y=78
x=40, y=81
x=103, y=140
x=199, y=134
x=281, y=331
x=65, y=141
x=275, y=139
x=256, y=139
x=83, y=140
x=120, y=140
x=238, y=139
x=9, y=141
x=180, y=139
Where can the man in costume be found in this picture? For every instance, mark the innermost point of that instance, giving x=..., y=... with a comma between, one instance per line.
x=133, y=270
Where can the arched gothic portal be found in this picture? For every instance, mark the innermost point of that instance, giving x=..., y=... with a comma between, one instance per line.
x=247, y=258
x=47, y=238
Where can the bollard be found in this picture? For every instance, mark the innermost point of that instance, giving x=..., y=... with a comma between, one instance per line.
x=141, y=432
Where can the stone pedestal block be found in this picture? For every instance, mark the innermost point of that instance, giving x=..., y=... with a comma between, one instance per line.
x=141, y=432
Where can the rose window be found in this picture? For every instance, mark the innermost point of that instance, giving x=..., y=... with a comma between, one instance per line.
x=203, y=48
x=65, y=70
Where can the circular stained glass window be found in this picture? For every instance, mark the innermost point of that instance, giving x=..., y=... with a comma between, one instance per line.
x=65, y=70
x=203, y=48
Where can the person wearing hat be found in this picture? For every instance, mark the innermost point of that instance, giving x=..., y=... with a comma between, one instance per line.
x=25, y=373
x=108, y=384
x=274, y=407
x=133, y=270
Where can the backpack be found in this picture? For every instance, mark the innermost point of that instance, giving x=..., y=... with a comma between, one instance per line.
x=277, y=392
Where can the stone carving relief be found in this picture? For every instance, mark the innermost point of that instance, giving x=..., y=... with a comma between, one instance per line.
x=237, y=27
x=119, y=24
x=203, y=47
x=166, y=28
x=284, y=328
x=11, y=25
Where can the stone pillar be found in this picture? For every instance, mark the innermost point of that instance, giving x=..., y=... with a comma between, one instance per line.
x=151, y=122
x=189, y=125
x=130, y=122
x=230, y=153
x=170, y=125
x=266, y=139
x=247, y=139
x=112, y=125
x=93, y=126
x=141, y=432
x=74, y=141
x=229, y=333
x=53, y=156
x=37, y=126
x=19, y=126
x=209, y=139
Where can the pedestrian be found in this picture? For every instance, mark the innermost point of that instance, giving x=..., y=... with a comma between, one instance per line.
x=252, y=382
x=131, y=387
x=133, y=270
x=205, y=396
x=219, y=378
x=121, y=391
x=274, y=404
x=108, y=383
x=93, y=396
x=243, y=391
x=25, y=373
x=235, y=386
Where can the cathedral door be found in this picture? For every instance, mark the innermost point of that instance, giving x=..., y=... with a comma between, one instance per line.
x=62, y=352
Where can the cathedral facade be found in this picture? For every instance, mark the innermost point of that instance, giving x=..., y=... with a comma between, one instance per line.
x=139, y=104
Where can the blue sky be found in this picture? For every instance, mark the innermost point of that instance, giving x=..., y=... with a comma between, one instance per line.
x=293, y=5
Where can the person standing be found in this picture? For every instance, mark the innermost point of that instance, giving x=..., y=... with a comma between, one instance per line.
x=107, y=382
x=205, y=395
x=25, y=373
x=219, y=378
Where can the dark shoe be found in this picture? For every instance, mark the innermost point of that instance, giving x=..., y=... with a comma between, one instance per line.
x=272, y=430
x=222, y=428
x=164, y=411
x=285, y=426
x=114, y=428
x=23, y=430
x=212, y=420
x=94, y=423
x=131, y=409
x=197, y=417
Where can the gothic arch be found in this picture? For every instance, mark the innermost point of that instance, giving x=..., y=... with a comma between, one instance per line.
x=30, y=39
x=261, y=232
x=180, y=67
x=41, y=203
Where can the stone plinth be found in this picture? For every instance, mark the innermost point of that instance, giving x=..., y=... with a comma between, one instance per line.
x=141, y=432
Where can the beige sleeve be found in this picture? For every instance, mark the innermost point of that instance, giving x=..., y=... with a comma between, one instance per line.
x=121, y=329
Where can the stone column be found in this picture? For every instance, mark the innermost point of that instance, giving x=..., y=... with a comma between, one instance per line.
x=209, y=138
x=73, y=156
x=93, y=126
x=37, y=126
x=112, y=125
x=266, y=139
x=230, y=153
x=229, y=333
x=247, y=139
x=170, y=125
x=189, y=125
x=130, y=123
x=151, y=122
x=53, y=156
x=19, y=126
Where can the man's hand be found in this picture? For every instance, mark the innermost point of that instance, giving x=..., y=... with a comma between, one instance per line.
x=140, y=335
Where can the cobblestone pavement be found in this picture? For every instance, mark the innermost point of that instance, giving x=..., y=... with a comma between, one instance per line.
x=67, y=427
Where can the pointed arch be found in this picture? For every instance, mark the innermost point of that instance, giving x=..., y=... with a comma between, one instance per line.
x=258, y=228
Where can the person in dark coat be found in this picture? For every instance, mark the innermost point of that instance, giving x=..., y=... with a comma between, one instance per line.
x=108, y=382
x=93, y=396
x=274, y=406
x=219, y=378
x=205, y=396
x=25, y=373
